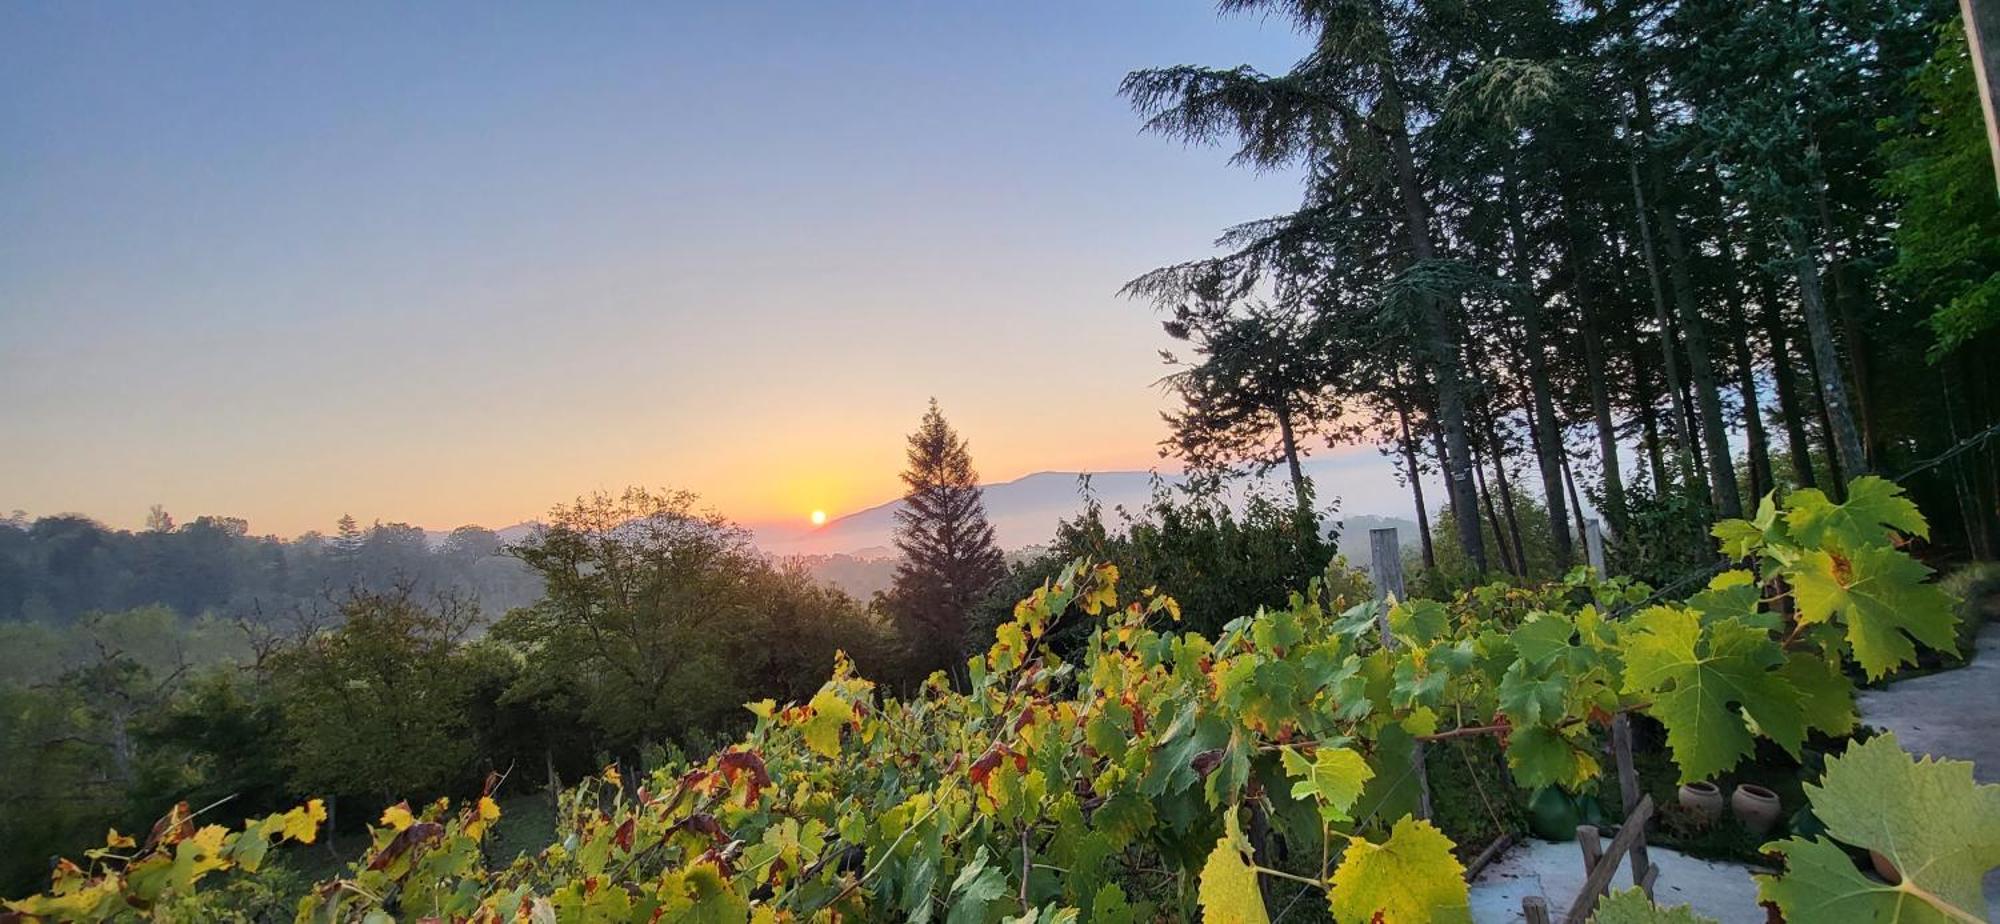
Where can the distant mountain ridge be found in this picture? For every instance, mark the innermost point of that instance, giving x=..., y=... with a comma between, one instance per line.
x=1025, y=510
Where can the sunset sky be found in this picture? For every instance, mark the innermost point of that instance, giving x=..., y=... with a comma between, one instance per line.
x=454, y=263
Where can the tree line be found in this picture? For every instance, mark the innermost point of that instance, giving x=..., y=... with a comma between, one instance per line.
x=1653, y=259
x=56, y=569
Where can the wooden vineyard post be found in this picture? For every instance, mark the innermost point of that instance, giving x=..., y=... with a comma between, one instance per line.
x=1385, y=571
x=1593, y=545
x=1628, y=789
x=1604, y=864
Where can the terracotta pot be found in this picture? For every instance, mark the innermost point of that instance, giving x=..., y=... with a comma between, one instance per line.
x=1884, y=868
x=1703, y=799
x=1756, y=808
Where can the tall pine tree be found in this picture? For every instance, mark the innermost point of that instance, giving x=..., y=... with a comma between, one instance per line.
x=949, y=560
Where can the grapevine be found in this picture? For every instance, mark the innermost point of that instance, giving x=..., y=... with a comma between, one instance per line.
x=1163, y=774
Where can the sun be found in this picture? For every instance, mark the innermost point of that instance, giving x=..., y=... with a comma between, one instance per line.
x=819, y=518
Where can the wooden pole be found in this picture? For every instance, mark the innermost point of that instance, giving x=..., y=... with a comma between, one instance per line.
x=1593, y=544
x=1385, y=570
x=1982, y=32
x=1535, y=909
x=1628, y=789
x=1599, y=880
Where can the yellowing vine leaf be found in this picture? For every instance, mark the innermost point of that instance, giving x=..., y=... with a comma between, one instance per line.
x=1881, y=595
x=1333, y=779
x=830, y=714
x=1229, y=893
x=1411, y=878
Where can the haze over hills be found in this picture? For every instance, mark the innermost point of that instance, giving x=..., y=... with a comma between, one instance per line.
x=1025, y=511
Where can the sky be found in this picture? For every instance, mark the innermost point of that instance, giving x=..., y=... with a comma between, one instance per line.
x=455, y=263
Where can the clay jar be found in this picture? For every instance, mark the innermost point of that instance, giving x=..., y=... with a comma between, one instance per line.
x=1756, y=808
x=1703, y=799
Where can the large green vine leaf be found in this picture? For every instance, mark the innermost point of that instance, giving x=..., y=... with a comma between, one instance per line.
x=1939, y=828
x=1881, y=595
x=1700, y=677
x=1872, y=503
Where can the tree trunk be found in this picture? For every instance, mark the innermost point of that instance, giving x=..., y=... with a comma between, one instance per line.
x=1291, y=449
x=1409, y=445
x=1649, y=420
x=1671, y=363
x=1838, y=489
x=1542, y=426
x=1507, y=499
x=1600, y=401
x=1575, y=502
x=1826, y=360
x=1783, y=377
x=1443, y=344
x=1722, y=488
x=1753, y=416
x=1493, y=515
x=1845, y=294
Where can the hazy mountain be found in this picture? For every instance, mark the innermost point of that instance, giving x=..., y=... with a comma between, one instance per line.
x=1025, y=511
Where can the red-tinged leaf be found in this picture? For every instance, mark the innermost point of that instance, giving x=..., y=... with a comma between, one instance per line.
x=623, y=837
x=982, y=769
x=750, y=766
x=176, y=826
x=704, y=824
x=406, y=840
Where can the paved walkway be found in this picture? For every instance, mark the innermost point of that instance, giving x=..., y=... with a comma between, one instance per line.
x=1953, y=714
x=1723, y=891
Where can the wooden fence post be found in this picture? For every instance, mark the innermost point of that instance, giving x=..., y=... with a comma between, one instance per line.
x=1628, y=790
x=1385, y=571
x=1593, y=544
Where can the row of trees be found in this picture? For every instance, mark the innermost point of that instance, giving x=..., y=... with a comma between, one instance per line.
x=1653, y=258
x=56, y=569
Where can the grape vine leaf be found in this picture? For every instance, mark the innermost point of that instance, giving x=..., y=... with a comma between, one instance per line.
x=1229, y=893
x=978, y=885
x=1530, y=698
x=1932, y=821
x=1333, y=779
x=1541, y=755
x=830, y=714
x=1694, y=674
x=1631, y=906
x=1872, y=503
x=1411, y=878
x=1741, y=538
x=1880, y=594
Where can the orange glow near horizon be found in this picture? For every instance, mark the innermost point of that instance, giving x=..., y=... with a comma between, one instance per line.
x=819, y=518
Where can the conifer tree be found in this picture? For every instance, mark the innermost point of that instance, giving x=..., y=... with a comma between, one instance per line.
x=949, y=560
